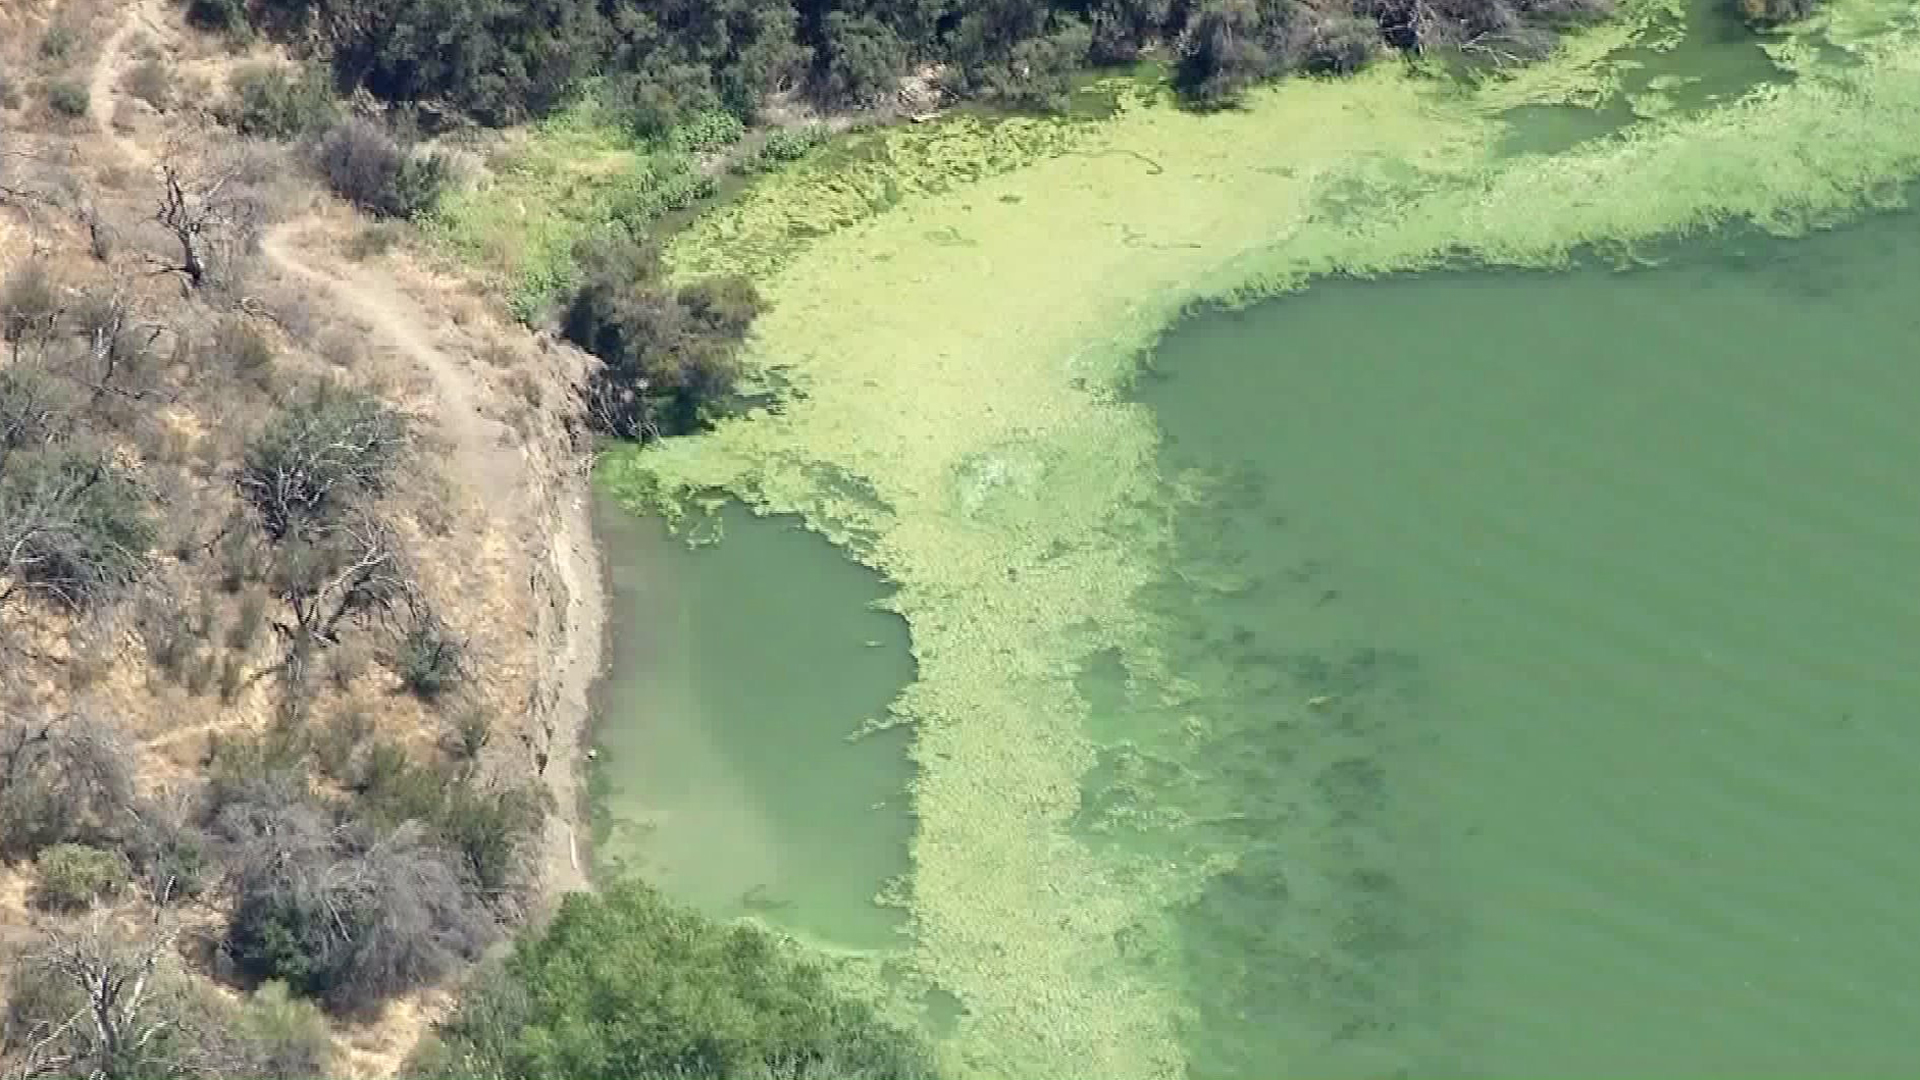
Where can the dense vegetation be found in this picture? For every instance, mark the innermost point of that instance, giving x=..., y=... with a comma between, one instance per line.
x=667, y=60
x=626, y=984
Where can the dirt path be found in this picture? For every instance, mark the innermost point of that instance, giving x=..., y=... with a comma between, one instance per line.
x=103, y=89
x=549, y=511
x=485, y=462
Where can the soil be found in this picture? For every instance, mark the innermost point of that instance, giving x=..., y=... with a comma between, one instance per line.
x=504, y=401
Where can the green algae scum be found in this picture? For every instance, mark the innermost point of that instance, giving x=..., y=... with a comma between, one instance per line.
x=1486, y=655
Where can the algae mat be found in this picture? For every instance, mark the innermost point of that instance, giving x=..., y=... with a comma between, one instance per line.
x=955, y=343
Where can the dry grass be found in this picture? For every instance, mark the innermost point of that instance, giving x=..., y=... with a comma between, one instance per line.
x=472, y=511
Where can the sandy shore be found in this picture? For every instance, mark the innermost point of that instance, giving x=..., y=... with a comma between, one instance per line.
x=574, y=643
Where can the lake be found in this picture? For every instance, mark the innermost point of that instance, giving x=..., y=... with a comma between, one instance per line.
x=1597, y=589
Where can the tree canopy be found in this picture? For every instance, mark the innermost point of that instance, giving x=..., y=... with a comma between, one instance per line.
x=664, y=60
x=625, y=983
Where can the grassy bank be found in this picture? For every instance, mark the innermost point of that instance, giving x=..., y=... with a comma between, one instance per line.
x=582, y=171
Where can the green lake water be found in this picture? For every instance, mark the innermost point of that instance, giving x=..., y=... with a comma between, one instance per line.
x=1554, y=641
x=726, y=777
x=1550, y=642
x=1543, y=688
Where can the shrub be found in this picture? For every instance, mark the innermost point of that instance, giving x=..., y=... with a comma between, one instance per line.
x=393, y=790
x=227, y=15
x=73, y=526
x=58, y=42
x=36, y=410
x=268, y=102
x=143, y=1018
x=244, y=351
x=285, y=1036
x=367, y=166
x=247, y=622
x=341, y=911
x=169, y=853
x=1776, y=12
x=68, y=877
x=372, y=242
x=666, y=356
x=626, y=984
x=68, y=97
x=469, y=732
x=708, y=130
x=1340, y=46
x=29, y=302
x=791, y=144
x=65, y=778
x=151, y=80
x=1230, y=44
x=865, y=57
x=491, y=830
x=333, y=443
x=428, y=660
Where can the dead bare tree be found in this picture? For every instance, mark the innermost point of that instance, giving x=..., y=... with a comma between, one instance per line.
x=117, y=341
x=210, y=208
x=352, y=568
x=115, y=1030
x=370, y=912
x=102, y=997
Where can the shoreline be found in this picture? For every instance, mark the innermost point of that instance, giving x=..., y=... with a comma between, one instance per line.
x=569, y=581
x=982, y=464
x=573, y=597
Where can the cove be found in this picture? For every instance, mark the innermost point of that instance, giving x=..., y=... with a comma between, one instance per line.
x=1550, y=700
x=726, y=775
x=957, y=318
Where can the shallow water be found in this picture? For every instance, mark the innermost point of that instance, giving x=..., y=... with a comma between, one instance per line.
x=1552, y=692
x=725, y=773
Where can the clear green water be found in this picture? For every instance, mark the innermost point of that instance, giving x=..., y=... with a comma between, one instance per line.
x=725, y=772
x=1554, y=691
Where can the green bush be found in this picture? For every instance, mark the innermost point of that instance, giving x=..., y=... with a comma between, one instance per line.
x=864, y=58
x=491, y=829
x=366, y=165
x=709, y=130
x=332, y=443
x=429, y=661
x=667, y=356
x=391, y=789
x=227, y=15
x=36, y=409
x=244, y=351
x=1776, y=12
x=68, y=877
x=286, y=1037
x=29, y=302
x=151, y=80
x=59, y=40
x=170, y=855
x=789, y=145
x=68, y=97
x=624, y=983
x=73, y=525
x=268, y=102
